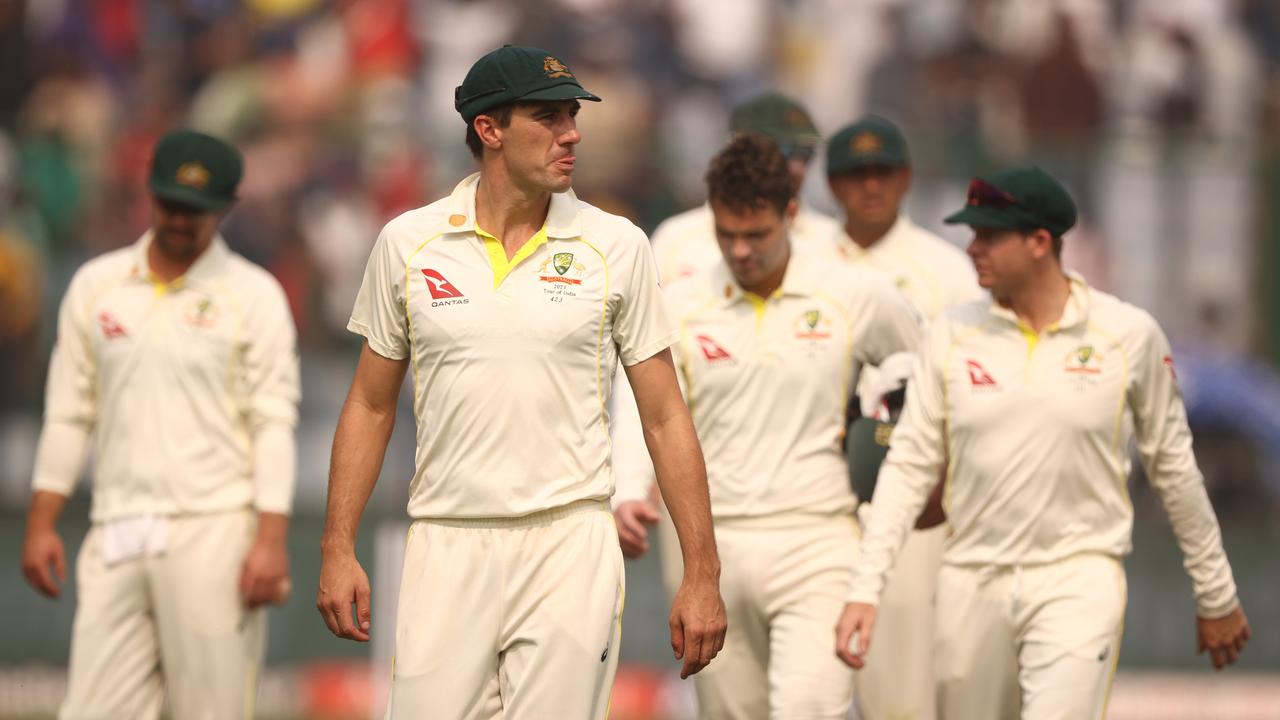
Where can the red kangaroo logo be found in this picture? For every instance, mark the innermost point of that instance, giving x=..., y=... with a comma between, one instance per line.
x=440, y=288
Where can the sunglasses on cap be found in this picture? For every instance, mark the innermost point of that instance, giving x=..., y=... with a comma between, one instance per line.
x=796, y=151
x=984, y=194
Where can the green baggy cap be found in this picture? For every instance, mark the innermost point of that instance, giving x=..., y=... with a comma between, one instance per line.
x=871, y=141
x=194, y=169
x=513, y=73
x=1022, y=198
x=777, y=117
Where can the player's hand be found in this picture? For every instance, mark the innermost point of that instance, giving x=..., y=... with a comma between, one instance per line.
x=43, y=560
x=343, y=583
x=857, y=620
x=1223, y=637
x=634, y=518
x=264, y=577
x=697, y=624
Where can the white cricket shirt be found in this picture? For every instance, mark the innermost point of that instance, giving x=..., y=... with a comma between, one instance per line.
x=1037, y=429
x=188, y=389
x=767, y=380
x=931, y=272
x=512, y=362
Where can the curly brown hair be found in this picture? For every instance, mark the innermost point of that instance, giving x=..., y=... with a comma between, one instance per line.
x=750, y=173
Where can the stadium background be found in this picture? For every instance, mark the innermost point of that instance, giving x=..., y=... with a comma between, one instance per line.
x=1162, y=115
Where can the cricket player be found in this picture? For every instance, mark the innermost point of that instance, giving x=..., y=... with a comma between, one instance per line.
x=510, y=303
x=685, y=244
x=869, y=172
x=176, y=360
x=1030, y=400
x=769, y=338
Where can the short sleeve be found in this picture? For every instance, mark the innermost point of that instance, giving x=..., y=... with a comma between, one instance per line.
x=642, y=327
x=379, y=313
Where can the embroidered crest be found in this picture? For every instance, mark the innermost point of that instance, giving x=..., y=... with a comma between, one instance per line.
x=555, y=69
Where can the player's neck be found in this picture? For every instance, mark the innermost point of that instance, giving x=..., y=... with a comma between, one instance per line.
x=866, y=234
x=510, y=213
x=1041, y=300
x=167, y=267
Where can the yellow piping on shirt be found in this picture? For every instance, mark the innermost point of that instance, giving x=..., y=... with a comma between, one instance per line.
x=1031, y=336
x=245, y=434
x=604, y=310
x=408, y=320
x=846, y=375
x=758, y=305
x=1118, y=452
x=498, y=261
x=946, y=420
x=86, y=335
x=686, y=352
x=162, y=288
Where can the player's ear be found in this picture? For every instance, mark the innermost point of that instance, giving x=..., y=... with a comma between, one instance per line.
x=1042, y=243
x=488, y=131
x=789, y=212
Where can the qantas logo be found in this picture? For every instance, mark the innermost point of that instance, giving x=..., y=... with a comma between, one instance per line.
x=978, y=375
x=442, y=291
x=111, y=328
x=711, y=350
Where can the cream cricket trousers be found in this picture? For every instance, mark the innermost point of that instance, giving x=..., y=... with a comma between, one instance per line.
x=170, y=624
x=515, y=618
x=897, y=681
x=1037, y=642
x=783, y=580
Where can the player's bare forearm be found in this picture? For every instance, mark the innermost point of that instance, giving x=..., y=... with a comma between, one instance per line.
x=359, y=444
x=46, y=508
x=697, y=619
x=682, y=480
x=358, y=449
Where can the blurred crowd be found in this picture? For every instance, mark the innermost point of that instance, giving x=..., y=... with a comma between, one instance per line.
x=343, y=109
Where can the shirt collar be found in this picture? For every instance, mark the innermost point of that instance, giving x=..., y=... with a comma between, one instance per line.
x=897, y=232
x=206, y=266
x=563, y=216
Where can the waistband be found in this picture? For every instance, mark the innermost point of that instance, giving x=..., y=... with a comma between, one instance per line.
x=1014, y=567
x=541, y=517
x=781, y=521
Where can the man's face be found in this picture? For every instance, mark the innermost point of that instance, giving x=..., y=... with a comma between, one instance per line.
x=1002, y=258
x=538, y=145
x=753, y=241
x=181, y=232
x=872, y=194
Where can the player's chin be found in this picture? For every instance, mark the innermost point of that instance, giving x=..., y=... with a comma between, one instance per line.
x=560, y=180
